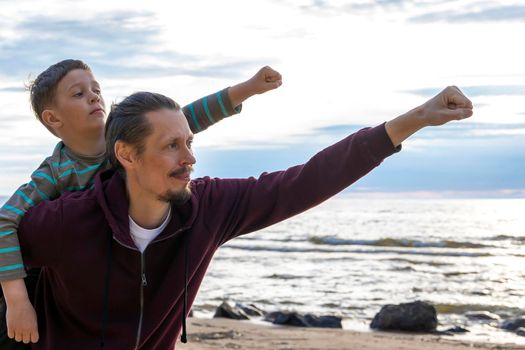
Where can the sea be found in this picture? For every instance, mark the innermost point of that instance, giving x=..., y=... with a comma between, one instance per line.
x=350, y=256
x=353, y=254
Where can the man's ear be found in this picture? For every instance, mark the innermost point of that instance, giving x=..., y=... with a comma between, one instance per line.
x=125, y=154
x=51, y=119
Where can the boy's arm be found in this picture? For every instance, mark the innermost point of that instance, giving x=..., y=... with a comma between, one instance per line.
x=213, y=108
x=21, y=317
x=43, y=186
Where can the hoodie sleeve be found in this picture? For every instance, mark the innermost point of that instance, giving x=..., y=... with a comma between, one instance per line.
x=240, y=206
x=39, y=233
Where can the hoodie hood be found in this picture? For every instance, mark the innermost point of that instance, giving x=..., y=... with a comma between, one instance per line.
x=110, y=184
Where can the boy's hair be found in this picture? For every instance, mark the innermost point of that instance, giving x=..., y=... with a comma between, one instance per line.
x=42, y=90
x=127, y=122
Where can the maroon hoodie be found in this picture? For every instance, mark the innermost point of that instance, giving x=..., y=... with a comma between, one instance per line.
x=97, y=289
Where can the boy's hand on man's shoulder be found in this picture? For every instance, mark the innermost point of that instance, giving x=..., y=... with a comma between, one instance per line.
x=264, y=80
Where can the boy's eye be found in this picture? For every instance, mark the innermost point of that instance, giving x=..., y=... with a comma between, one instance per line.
x=97, y=91
x=78, y=94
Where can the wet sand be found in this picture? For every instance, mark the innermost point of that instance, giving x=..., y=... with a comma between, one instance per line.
x=214, y=334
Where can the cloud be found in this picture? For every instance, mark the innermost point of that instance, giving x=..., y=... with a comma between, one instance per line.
x=477, y=90
x=472, y=131
x=122, y=44
x=420, y=11
x=449, y=132
x=512, y=13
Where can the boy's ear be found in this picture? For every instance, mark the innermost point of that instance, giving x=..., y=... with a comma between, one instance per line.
x=51, y=119
x=125, y=154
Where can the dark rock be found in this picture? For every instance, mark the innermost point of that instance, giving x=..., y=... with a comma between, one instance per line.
x=306, y=320
x=513, y=324
x=250, y=310
x=481, y=316
x=521, y=331
x=416, y=317
x=457, y=329
x=441, y=333
x=225, y=310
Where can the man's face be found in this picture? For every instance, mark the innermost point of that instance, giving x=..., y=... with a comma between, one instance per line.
x=163, y=169
x=79, y=104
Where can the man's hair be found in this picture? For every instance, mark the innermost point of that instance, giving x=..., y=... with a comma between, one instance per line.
x=127, y=122
x=42, y=90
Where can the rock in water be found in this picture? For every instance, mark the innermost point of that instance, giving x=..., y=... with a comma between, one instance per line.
x=306, y=320
x=227, y=311
x=250, y=309
x=481, y=316
x=520, y=331
x=416, y=317
x=513, y=324
x=457, y=329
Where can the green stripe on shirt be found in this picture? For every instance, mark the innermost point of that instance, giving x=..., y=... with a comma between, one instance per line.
x=60, y=165
x=6, y=233
x=194, y=117
x=219, y=98
x=9, y=250
x=11, y=267
x=79, y=172
x=42, y=194
x=45, y=176
x=14, y=210
x=25, y=197
x=208, y=114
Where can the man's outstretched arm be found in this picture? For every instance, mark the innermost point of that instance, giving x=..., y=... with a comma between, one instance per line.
x=246, y=205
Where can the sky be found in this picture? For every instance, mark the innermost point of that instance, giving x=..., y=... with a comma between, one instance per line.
x=345, y=65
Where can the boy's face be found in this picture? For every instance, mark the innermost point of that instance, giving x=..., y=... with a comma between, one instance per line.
x=79, y=105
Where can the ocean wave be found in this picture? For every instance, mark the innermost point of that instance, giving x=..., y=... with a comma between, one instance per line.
x=291, y=249
x=517, y=239
x=501, y=310
x=286, y=277
x=416, y=262
x=394, y=242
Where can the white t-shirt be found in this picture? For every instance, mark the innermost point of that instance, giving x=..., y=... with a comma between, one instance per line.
x=142, y=236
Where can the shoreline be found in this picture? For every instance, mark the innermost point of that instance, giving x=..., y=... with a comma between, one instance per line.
x=221, y=333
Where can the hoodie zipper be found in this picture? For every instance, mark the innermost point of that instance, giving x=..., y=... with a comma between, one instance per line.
x=144, y=281
x=143, y=284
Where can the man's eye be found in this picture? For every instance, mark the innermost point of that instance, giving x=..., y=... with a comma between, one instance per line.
x=172, y=145
x=97, y=91
x=78, y=94
x=190, y=144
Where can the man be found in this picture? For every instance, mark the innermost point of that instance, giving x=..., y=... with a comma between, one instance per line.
x=122, y=263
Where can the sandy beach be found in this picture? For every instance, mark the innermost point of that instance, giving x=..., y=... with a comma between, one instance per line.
x=212, y=334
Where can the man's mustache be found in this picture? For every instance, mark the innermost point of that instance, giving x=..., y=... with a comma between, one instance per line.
x=181, y=170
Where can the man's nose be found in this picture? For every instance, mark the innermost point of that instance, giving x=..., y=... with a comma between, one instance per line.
x=188, y=157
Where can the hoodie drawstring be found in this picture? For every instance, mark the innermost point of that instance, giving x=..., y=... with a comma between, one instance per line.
x=105, y=303
x=183, y=337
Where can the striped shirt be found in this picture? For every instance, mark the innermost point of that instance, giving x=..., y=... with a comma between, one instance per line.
x=65, y=171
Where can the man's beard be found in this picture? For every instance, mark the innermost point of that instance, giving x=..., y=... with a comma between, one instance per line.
x=176, y=197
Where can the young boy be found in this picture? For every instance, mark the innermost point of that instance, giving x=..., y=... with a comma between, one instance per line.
x=67, y=99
